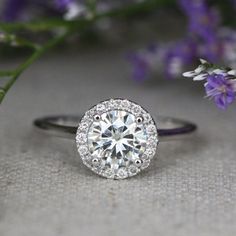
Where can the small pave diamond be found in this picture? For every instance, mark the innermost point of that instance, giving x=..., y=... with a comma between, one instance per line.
x=133, y=170
x=152, y=141
x=147, y=117
x=122, y=173
x=101, y=108
x=145, y=164
x=150, y=152
x=136, y=109
x=83, y=150
x=125, y=103
x=151, y=129
x=81, y=137
x=145, y=157
x=119, y=140
x=108, y=173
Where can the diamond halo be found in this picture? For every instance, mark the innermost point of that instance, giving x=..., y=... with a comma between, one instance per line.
x=117, y=138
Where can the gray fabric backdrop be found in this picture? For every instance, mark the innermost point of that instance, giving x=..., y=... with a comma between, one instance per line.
x=45, y=190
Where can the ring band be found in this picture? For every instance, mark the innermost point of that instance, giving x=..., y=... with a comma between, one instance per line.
x=116, y=138
x=66, y=126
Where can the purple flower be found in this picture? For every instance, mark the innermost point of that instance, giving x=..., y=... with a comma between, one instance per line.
x=140, y=67
x=180, y=54
x=62, y=4
x=203, y=20
x=30, y=9
x=203, y=23
x=221, y=88
x=203, y=40
x=234, y=3
x=13, y=8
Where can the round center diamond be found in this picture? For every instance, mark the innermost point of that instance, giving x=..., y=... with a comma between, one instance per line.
x=116, y=139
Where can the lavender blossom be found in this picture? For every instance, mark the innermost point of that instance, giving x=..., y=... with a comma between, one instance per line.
x=63, y=4
x=18, y=9
x=205, y=38
x=13, y=8
x=221, y=89
x=205, y=69
x=141, y=67
x=177, y=56
x=220, y=82
x=203, y=23
x=200, y=73
x=203, y=20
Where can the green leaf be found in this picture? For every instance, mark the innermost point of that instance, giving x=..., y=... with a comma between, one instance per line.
x=2, y=94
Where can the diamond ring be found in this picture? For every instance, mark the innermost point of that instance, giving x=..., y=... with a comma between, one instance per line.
x=116, y=138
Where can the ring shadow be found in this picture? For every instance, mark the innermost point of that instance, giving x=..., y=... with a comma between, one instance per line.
x=63, y=149
x=172, y=151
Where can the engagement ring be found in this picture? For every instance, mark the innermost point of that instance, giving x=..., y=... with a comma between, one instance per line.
x=116, y=138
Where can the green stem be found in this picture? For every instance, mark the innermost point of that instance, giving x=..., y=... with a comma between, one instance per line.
x=38, y=51
x=69, y=27
x=36, y=54
x=6, y=73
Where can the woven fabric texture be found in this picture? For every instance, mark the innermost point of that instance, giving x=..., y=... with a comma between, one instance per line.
x=189, y=190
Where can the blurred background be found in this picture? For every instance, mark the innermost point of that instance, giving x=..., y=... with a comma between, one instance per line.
x=62, y=57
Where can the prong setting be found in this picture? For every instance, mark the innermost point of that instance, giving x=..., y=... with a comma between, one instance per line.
x=97, y=117
x=138, y=163
x=95, y=162
x=139, y=120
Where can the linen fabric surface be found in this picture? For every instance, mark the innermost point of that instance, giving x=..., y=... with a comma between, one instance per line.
x=189, y=189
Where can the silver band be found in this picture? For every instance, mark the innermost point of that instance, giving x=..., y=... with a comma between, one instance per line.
x=66, y=126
